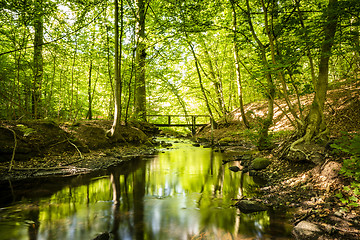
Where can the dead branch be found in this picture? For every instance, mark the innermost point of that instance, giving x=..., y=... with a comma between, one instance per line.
x=46, y=168
x=12, y=162
x=81, y=156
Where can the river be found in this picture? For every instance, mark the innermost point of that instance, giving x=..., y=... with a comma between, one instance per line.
x=184, y=192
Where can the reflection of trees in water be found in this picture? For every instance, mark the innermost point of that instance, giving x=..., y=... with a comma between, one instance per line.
x=128, y=194
x=254, y=224
x=32, y=216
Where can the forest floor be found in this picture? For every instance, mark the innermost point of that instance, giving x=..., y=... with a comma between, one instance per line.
x=45, y=148
x=306, y=190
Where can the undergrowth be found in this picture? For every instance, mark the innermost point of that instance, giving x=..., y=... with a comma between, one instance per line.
x=349, y=144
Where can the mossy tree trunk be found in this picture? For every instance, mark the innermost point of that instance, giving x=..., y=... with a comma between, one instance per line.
x=314, y=133
x=315, y=126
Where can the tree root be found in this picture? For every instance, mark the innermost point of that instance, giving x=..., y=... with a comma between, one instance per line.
x=319, y=136
x=293, y=149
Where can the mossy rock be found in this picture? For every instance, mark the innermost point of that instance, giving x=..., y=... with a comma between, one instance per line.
x=260, y=163
x=225, y=140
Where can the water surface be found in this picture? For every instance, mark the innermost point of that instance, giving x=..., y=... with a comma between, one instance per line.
x=182, y=193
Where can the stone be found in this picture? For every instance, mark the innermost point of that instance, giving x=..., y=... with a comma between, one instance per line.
x=260, y=163
x=103, y=236
x=225, y=141
x=248, y=206
x=234, y=168
x=306, y=230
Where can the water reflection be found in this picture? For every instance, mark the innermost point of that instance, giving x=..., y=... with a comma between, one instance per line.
x=183, y=193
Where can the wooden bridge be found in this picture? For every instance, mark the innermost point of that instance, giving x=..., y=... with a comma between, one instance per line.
x=178, y=121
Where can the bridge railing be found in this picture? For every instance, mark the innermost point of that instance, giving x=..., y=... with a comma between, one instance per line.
x=178, y=120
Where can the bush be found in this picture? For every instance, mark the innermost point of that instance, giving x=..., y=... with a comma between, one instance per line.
x=350, y=144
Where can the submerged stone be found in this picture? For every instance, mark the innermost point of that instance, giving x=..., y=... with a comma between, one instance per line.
x=248, y=206
x=103, y=236
x=234, y=168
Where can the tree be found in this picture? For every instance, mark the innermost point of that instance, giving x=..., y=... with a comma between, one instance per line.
x=237, y=65
x=314, y=129
x=263, y=141
x=38, y=59
x=140, y=59
x=115, y=129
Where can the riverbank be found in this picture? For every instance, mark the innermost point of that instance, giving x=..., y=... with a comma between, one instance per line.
x=31, y=149
x=307, y=191
x=45, y=148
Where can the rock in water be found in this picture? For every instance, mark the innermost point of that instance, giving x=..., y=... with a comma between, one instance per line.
x=103, y=236
x=306, y=230
x=260, y=163
x=248, y=206
x=234, y=168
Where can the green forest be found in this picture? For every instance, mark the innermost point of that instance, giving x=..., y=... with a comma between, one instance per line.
x=123, y=60
x=83, y=80
x=69, y=60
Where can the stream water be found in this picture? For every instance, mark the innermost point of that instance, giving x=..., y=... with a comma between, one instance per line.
x=181, y=193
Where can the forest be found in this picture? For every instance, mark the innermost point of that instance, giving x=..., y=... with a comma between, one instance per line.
x=122, y=61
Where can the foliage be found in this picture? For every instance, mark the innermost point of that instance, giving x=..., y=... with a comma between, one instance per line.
x=349, y=143
x=25, y=130
x=78, y=55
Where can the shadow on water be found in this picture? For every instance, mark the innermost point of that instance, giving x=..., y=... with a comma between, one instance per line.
x=182, y=193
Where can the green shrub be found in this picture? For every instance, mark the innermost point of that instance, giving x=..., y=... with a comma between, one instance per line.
x=349, y=143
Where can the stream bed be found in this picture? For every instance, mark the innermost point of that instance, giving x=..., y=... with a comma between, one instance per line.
x=183, y=192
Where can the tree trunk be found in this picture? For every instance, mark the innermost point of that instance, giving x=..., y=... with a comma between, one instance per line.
x=89, y=115
x=140, y=88
x=314, y=133
x=263, y=141
x=38, y=61
x=315, y=126
x=237, y=66
x=308, y=53
x=115, y=129
x=201, y=85
x=215, y=80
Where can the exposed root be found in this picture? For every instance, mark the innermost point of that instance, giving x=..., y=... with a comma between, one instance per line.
x=321, y=134
x=293, y=149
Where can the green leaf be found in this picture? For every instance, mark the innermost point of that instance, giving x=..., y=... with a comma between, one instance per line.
x=353, y=198
x=339, y=195
x=353, y=204
x=357, y=191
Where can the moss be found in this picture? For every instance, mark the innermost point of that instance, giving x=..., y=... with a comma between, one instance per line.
x=226, y=140
x=260, y=163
